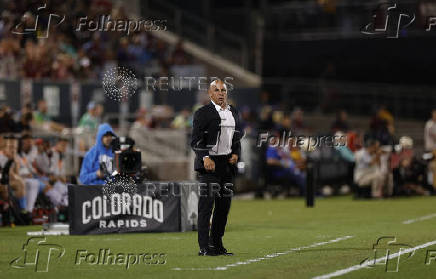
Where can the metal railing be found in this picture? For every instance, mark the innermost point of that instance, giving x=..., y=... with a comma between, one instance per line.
x=309, y=20
x=327, y=96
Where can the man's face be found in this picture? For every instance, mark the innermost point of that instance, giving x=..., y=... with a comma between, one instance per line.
x=2, y=143
x=107, y=140
x=218, y=93
x=343, y=116
x=62, y=146
x=40, y=148
x=27, y=145
x=373, y=147
x=10, y=147
x=42, y=106
x=99, y=110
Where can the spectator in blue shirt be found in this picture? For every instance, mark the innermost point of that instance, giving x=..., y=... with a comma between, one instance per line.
x=286, y=167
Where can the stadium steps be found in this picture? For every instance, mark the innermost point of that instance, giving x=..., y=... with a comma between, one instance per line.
x=221, y=65
x=216, y=65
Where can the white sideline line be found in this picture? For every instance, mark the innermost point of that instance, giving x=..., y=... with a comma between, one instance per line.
x=410, y=221
x=367, y=263
x=267, y=257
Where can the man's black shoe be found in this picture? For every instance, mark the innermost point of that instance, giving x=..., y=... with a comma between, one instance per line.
x=207, y=252
x=223, y=251
x=218, y=247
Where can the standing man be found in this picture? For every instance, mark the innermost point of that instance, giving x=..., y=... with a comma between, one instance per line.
x=216, y=138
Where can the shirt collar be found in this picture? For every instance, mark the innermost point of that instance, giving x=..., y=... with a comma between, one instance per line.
x=219, y=108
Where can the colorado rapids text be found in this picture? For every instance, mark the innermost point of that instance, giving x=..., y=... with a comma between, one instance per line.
x=122, y=204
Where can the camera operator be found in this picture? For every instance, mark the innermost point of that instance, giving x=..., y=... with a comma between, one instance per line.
x=100, y=155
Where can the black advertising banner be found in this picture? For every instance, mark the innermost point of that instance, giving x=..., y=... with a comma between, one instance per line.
x=151, y=207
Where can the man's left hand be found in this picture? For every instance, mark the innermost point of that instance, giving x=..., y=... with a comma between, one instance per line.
x=234, y=159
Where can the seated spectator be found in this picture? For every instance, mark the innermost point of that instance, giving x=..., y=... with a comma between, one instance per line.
x=342, y=148
x=297, y=154
x=41, y=116
x=382, y=126
x=285, y=167
x=182, y=120
x=6, y=121
x=409, y=178
x=25, y=119
x=179, y=56
x=341, y=122
x=91, y=118
x=89, y=122
x=346, y=154
x=430, y=143
x=9, y=57
x=405, y=152
x=354, y=140
x=42, y=119
x=9, y=168
x=58, y=179
x=26, y=155
x=143, y=119
x=36, y=176
x=42, y=162
x=367, y=169
x=57, y=166
x=298, y=125
x=386, y=135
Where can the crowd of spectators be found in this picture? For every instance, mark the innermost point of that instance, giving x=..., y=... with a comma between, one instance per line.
x=59, y=52
x=376, y=159
x=32, y=167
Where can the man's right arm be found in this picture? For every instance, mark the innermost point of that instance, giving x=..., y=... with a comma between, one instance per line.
x=87, y=174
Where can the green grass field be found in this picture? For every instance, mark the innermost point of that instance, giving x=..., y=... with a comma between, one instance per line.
x=257, y=229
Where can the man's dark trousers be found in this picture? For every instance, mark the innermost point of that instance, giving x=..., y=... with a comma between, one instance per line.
x=216, y=188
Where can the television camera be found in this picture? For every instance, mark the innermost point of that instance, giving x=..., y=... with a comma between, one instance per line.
x=127, y=161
